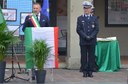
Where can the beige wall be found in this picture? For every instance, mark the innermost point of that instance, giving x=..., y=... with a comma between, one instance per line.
x=74, y=10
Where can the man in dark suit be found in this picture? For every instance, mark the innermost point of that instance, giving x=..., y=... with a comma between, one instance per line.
x=41, y=18
x=87, y=29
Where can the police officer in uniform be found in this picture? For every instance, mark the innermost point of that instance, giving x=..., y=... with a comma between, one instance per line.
x=87, y=29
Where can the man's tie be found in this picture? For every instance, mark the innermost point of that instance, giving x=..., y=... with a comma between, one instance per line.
x=37, y=17
x=88, y=17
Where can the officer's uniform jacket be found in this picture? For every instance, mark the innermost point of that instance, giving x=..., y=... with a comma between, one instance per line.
x=87, y=27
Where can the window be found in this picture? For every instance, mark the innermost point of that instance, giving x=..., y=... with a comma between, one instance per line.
x=116, y=12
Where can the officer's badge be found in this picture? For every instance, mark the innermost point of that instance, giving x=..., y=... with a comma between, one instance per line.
x=93, y=26
x=82, y=21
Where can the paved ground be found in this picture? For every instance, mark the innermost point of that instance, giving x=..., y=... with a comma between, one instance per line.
x=65, y=76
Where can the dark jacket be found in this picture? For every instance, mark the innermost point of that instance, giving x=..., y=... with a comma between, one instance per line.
x=44, y=22
x=86, y=28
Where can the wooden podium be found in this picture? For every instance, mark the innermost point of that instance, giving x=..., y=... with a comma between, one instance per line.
x=50, y=34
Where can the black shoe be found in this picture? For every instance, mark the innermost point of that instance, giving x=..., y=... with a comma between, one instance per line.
x=85, y=74
x=90, y=74
x=33, y=78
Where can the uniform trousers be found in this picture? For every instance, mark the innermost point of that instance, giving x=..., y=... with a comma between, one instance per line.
x=87, y=57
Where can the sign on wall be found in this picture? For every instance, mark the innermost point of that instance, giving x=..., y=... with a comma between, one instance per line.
x=9, y=14
x=116, y=13
x=20, y=6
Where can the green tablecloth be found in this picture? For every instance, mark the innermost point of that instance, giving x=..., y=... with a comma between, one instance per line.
x=108, y=56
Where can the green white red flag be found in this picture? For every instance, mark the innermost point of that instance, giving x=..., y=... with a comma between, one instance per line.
x=50, y=35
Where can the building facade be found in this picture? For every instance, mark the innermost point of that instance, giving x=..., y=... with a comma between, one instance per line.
x=65, y=19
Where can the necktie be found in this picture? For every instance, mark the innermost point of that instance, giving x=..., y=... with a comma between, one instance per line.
x=88, y=17
x=37, y=17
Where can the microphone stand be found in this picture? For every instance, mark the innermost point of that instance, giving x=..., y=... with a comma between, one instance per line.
x=12, y=58
x=13, y=74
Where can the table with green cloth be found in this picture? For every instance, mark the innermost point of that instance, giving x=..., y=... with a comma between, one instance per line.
x=108, y=56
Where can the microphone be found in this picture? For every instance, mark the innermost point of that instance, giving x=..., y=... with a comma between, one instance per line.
x=30, y=16
x=17, y=29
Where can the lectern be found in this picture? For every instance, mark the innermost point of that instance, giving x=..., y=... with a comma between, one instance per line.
x=50, y=34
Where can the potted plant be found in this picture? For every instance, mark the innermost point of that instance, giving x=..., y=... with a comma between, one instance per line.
x=40, y=52
x=6, y=38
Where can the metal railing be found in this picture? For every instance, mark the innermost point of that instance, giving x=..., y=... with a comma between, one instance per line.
x=18, y=48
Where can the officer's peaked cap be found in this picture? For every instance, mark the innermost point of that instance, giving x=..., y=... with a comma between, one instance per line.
x=87, y=4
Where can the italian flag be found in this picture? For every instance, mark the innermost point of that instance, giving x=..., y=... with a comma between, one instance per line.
x=50, y=34
x=34, y=21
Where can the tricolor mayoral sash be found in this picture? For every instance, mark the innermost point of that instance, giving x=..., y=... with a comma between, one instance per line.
x=34, y=20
